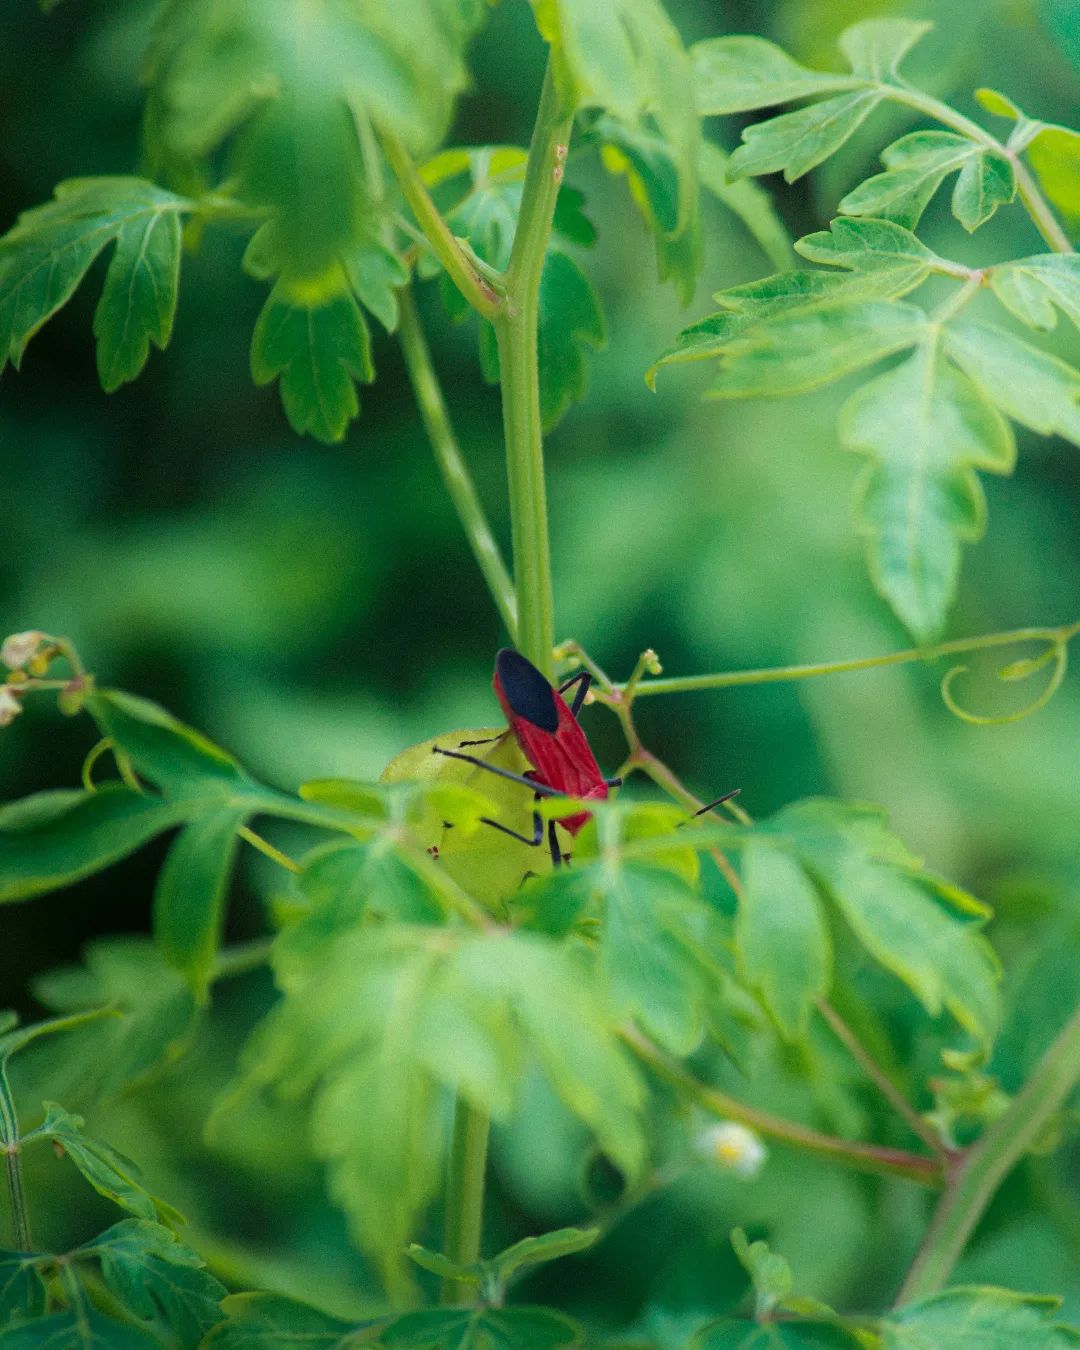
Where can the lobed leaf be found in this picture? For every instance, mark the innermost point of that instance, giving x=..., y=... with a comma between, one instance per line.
x=1052, y=150
x=875, y=47
x=895, y=259
x=518, y=1328
x=737, y=74
x=993, y=1319
x=797, y=142
x=49, y=250
x=257, y=1321
x=928, y=428
x=1033, y=289
x=83, y=1328
x=22, y=1286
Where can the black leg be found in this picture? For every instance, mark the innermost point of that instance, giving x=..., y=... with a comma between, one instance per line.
x=485, y=740
x=582, y=678
x=537, y=834
x=613, y=782
x=541, y=789
x=719, y=802
x=553, y=844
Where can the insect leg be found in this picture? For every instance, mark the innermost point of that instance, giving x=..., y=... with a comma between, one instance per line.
x=719, y=801
x=484, y=740
x=537, y=834
x=582, y=678
x=553, y=844
x=541, y=789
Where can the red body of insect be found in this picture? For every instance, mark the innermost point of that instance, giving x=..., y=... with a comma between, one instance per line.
x=549, y=734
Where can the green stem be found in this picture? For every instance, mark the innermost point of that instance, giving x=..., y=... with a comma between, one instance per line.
x=516, y=329
x=980, y=1172
x=451, y=462
x=780, y=674
x=465, y=1196
x=9, y=1142
x=480, y=293
x=861, y=1157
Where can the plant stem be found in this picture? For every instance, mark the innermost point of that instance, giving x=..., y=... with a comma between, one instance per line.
x=1037, y=208
x=975, y=1179
x=516, y=329
x=480, y=293
x=465, y=1196
x=9, y=1143
x=861, y=1157
x=780, y=674
x=451, y=462
x=878, y=1077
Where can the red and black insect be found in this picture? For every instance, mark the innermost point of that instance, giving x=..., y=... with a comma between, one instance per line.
x=546, y=728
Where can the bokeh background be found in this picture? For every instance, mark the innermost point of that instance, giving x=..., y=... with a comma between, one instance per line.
x=316, y=609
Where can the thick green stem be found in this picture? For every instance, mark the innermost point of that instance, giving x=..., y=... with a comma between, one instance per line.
x=9, y=1143
x=975, y=1179
x=861, y=1157
x=465, y=1196
x=451, y=462
x=516, y=328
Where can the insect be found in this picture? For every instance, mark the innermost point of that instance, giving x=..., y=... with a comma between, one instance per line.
x=546, y=729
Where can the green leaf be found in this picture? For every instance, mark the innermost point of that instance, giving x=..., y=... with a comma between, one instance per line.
x=77, y=1329
x=797, y=142
x=158, y=1279
x=730, y=1335
x=880, y=249
x=927, y=428
x=262, y=1321
x=55, y=838
x=770, y=1273
x=153, y=1006
x=22, y=1288
x=376, y=274
x=736, y=74
x=915, y=167
x=804, y=349
x=1027, y=384
x=440, y=1265
x=986, y=182
x=320, y=348
x=922, y=931
x=189, y=899
x=49, y=250
x=781, y=939
x=1054, y=154
x=626, y=57
x=992, y=1319
x=111, y=1174
x=1035, y=288
x=534, y=1251
x=875, y=47
x=481, y=1329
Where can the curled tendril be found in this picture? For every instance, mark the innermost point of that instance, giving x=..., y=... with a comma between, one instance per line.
x=1056, y=653
x=123, y=765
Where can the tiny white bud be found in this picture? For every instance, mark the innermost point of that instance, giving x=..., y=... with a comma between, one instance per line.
x=18, y=649
x=10, y=706
x=733, y=1147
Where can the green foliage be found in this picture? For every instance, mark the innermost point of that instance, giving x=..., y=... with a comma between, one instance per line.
x=481, y=1328
x=995, y=1318
x=254, y=1321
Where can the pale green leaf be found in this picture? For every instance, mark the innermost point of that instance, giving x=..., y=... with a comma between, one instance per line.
x=271, y=1322
x=736, y=74
x=110, y=1174
x=797, y=142
x=481, y=1329
x=376, y=274
x=1027, y=384
x=992, y=1319
x=986, y=182
x=320, y=348
x=1035, y=288
x=915, y=167
x=877, y=247
x=626, y=57
x=189, y=899
x=534, y=1251
x=781, y=939
x=927, y=428
x=49, y=250
x=997, y=103
x=1054, y=154
x=875, y=47
x=158, y=1279
x=54, y=838
x=770, y=1273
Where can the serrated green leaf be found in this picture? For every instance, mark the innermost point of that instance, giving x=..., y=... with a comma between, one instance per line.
x=376, y=274
x=534, y=1251
x=1027, y=384
x=626, y=57
x=770, y=1273
x=736, y=74
x=802, y=350
x=915, y=167
x=879, y=247
x=1035, y=288
x=986, y=181
x=110, y=1174
x=77, y=1329
x=265, y=1321
x=928, y=428
x=320, y=349
x=731, y=1335
x=797, y=142
x=158, y=1279
x=781, y=939
x=22, y=1288
x=481, y=1329
x=54, y=838
x=49, y=250
x=875, y=47
x=155, y=1011
x=189, y=899
x=992, y=1319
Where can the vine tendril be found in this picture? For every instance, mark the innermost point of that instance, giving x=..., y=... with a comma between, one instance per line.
x=1057, y=652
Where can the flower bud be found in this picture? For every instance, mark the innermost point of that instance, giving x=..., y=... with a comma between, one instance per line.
x=734, y=1147
x=10, y=706
x=19, y=648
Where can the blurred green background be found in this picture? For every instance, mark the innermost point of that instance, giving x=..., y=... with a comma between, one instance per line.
x=316, y=609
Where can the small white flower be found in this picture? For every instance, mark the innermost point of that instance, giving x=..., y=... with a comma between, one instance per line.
x=10, y=707
x=734, y=1147
x=19, y=648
